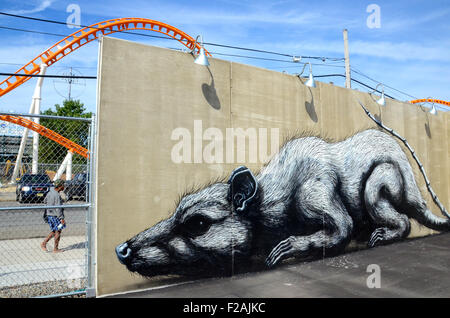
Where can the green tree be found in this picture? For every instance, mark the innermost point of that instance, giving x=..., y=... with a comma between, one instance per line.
x=51, y=152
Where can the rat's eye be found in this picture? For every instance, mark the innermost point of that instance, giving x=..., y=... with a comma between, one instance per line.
x=196, y=225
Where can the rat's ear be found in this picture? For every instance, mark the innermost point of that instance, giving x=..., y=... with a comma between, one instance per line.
x=243, y=189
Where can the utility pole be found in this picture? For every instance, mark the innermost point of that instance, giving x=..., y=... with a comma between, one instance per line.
x=348, y=81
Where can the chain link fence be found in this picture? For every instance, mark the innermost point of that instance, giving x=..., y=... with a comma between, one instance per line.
x=41, y=254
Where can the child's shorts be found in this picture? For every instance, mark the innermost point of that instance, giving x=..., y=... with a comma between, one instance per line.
x=54, y=222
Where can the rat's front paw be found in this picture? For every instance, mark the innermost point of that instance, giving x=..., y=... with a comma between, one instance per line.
x=280, y=252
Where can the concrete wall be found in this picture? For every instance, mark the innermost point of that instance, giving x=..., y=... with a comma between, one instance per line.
x=145, y=93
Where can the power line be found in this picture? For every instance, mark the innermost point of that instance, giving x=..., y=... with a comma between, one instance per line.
x=397, y=90
x=32, y=31
x=49, y=76
x=57, y=66
x=374, y=89
x=271, y=52
x=366, y=86
x=168, y=38
x=442, y=108
x=65, y=35
x=336, y=60
x=31, y=18
x=206, y=43
x=262, y=58
x=354, y=80
x=326, y=75
x=314, y=64
x=253, y=57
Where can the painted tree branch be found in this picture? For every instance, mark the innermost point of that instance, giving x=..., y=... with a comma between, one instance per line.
x=413, y=153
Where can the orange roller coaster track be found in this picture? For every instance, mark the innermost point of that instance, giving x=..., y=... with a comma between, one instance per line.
x=50, y=134
x=89, y=34
x=430, y=100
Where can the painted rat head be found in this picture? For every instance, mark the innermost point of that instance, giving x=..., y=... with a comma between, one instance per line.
x=208, y=231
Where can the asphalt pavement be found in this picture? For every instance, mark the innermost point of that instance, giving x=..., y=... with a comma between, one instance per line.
x=28, y=223
x=412, y=268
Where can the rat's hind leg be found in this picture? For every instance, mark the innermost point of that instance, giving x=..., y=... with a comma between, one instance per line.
x=319, y=202
x=383, y=193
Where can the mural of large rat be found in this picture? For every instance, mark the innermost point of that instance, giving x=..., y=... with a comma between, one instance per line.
x=310, y=200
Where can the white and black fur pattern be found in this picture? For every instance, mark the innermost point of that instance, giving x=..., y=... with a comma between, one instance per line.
x=310, y=200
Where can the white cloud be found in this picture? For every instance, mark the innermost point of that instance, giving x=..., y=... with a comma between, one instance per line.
x=39, y=8
x=401, y=51
x=212, y=16
x=405, y=23
x=398, y=51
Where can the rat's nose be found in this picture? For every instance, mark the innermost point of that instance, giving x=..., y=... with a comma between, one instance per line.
x=123, y=253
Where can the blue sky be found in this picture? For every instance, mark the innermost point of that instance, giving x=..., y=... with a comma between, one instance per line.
x=409, y=52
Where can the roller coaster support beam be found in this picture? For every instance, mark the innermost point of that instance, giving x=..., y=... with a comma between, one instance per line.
x=37, y=111
x=35, y=100
x=65, y=166
x=69, y=166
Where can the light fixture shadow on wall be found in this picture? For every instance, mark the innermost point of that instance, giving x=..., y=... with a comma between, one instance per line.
x=210, y=93
x=310, y=82
x=309, y=106
x=433, y=111
x=201, y=59
x=310, y=109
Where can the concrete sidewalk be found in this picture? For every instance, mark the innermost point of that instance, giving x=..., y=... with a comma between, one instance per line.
x=8, y=194
x=412, y=268
x=23, y=262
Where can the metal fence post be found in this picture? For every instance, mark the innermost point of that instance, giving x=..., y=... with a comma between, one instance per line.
x=90, y=221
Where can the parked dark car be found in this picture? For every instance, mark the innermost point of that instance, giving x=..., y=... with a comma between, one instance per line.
x=33, y=187
x=77, y=187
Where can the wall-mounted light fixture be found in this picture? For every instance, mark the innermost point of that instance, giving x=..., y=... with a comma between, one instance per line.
x=201, y=58
x=382, y=100
x=433, y=110
x=310, y=82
